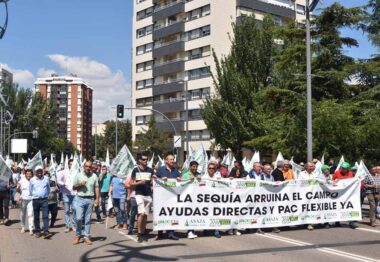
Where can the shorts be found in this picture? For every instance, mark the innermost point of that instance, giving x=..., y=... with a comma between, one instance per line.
x=143, y=204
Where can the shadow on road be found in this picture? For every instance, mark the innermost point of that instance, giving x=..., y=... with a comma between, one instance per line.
x=126, y=253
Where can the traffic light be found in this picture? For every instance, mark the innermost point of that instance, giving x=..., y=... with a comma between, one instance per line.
x=120, y=111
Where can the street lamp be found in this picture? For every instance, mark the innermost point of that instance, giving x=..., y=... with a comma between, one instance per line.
x=309, y=8
x=4, y=27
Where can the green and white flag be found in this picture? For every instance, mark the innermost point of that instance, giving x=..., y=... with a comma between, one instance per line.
x=362, y=171
x=5, y=171
x=123, y=163
x=108, y=158
x=297, y=169
x=35, y=161
x=280, y=157
x=341, y=161
x=150, y=163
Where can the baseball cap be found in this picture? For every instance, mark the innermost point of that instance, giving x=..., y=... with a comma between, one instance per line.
x=38, y=167
x=345, y=165
x=325, y=167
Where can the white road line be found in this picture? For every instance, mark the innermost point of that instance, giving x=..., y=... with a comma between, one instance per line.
x=131, y=238
x=368, y=230
x=323, y=249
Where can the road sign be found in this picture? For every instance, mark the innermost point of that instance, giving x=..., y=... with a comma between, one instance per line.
x=177, y=141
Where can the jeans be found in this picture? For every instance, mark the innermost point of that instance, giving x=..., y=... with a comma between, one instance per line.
x=83, y=207
x=121, y=214
x=132, y=215
x=12, y=193
x=4, y=205
x=53, y=209
x=103, y=202
x=41, y=204
x=26, y=210
x=69, y=201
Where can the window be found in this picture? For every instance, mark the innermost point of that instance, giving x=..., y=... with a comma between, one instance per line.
x=196, y=33
x=141, y=67
x=144, y=13
x=142, y=49
x=277, y=20
x=146, y=83
x=147, y=101
x=301, y=9
x=141, y=120
x=199, y=52
x=198, y=13
x=144, y=31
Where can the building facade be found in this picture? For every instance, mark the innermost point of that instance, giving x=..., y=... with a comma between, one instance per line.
x=172, y=56
x=6, y=77
x=73, y=97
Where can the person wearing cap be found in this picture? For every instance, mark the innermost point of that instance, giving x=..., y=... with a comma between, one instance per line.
x=39, y=188
x=87, y=186
x=345, y=173
x=372, y=186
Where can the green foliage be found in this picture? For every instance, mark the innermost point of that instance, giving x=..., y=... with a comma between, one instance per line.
x=153, y=140
x=124, y=137
x=249, y=110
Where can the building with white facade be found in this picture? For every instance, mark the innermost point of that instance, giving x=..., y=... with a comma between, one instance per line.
x=172, y=56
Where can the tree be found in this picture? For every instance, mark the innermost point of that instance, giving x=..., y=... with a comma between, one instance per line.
x=153, y=140
x=230, y=114
x=124, y=137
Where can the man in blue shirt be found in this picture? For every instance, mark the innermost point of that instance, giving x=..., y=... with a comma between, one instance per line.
x=168, y=172
x=39, y=188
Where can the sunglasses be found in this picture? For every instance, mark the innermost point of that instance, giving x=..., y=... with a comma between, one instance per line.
x=211, y=168
x=144, y=159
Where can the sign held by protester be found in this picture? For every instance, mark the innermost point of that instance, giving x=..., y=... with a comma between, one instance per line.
x=239, y=203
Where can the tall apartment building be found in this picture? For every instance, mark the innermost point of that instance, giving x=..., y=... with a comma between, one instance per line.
x=6, y=77
x=172, y=55
x=74, y=101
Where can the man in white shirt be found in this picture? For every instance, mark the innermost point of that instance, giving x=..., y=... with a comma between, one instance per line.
x=65, y=182
x=309, y=173
x=26, y=208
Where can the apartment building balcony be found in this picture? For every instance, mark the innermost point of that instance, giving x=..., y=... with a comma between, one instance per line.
x=163, y=11
x=161, y=31
x=166, y=87
x=165, y=126
x=169, y=105
x=173, y=66
x=270, y=7
x=162, y=49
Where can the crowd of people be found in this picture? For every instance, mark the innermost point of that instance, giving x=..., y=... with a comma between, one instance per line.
x=37, y=193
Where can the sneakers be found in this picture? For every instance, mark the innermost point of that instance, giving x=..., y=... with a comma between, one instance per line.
x=76, y=240
x=276, y=230
x=217, y=234
x=31, y=232
x=233, y=232
x=37, y=234
x=259, y=231
x=373, y=224
x=191, y=235
x=87, y=241
x=22, y=230
x=140, y=238
x=6, y=222
x=67, y=230
x=310, y=227
x=173, y=237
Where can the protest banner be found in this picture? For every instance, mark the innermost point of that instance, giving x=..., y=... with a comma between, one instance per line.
x=239, y=203
x=35, y=161
x=5, y=171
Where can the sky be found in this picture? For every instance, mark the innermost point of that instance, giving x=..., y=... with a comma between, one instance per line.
x=90, y=38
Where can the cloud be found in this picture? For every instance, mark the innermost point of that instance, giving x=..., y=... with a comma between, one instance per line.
x=109, y=88
x=24, y=78
x=42, y=72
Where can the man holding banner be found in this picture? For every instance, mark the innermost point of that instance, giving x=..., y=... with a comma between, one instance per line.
x=166, y=172
x=141, y=180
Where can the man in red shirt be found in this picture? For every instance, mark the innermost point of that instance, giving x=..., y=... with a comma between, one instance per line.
x=344, y=173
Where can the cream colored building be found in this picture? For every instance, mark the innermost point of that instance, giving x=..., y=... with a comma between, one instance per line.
x=172, y=43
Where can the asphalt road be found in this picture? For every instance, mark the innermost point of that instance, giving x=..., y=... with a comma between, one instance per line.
x=295, y=244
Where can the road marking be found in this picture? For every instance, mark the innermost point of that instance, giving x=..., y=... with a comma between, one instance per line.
x=322, y=249
x=132, y=238
x=368, y=230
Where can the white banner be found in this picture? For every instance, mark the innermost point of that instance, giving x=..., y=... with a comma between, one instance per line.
x=239, y=203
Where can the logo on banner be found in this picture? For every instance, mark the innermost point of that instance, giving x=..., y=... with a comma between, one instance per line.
x=245, y=222
x=289, y=219
x=309, y=182
x=311, y=217
x=270, y=220
x=196, y=222
x=219, y=222
x=167, y=222
x=351, y=214
x=330, y=216
x=245, y=184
